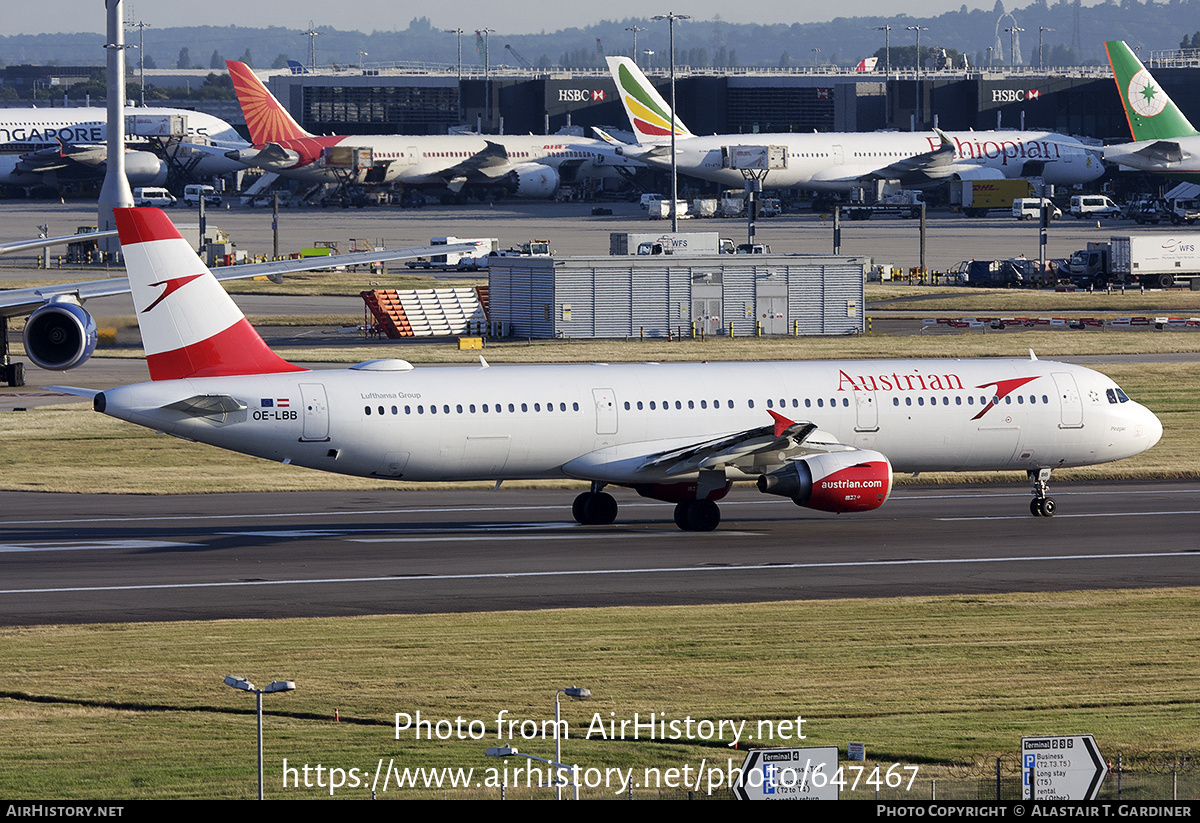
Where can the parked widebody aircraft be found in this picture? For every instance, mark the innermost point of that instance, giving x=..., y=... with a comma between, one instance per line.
x=840, y=161
x=524, y=165
x=60, y=334
x=1165, y=140
x=48, y=146
x=827, y=435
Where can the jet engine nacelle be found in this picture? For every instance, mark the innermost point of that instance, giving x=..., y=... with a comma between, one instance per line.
x=851, y=481
x=534, y=180
x=60, y=336
x=978, y=173
x=144, y=168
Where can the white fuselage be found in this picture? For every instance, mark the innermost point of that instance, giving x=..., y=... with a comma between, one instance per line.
x=840, y=161
x=30, y=129
x=595, y=422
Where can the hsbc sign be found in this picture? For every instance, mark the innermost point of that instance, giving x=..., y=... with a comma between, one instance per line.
x=1015, y=95
x=581, y=95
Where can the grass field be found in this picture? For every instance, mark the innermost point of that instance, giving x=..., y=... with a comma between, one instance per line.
x=139, y=710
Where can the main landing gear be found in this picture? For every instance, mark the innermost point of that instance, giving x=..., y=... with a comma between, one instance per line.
x=697, y=515
x=595, y=508
x=1042, y=504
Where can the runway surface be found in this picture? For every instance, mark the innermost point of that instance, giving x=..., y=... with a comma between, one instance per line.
x=108, y=558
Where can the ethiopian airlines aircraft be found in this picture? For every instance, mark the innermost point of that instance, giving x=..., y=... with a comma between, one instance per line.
x=828, y=435
x=1165, y=140
x=525, y=165
x=839, y=161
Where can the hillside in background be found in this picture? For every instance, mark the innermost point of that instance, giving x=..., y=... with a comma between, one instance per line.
x=1077, y=37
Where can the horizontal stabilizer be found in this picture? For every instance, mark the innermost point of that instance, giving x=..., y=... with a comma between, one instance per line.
x=207, y=405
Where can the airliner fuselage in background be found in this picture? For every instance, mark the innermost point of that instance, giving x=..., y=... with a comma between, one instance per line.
x=31, y=139
x=839, y=161
x=828, y=435
x=526, y=165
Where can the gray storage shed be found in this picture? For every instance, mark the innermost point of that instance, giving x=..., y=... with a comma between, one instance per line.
x=660, y=296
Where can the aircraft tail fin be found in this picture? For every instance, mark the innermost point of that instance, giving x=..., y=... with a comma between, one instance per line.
x=267, y=120
x=190, y=326
x=1151, y=113
x=648, y=113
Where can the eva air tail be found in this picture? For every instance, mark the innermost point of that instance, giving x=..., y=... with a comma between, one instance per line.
x=1151, y=113
x=648, y=113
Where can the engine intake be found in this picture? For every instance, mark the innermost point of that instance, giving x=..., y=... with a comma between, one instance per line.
x=852, y=481
x=534, y=180
x=60, y=336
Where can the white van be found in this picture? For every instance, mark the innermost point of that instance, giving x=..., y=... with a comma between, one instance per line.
x=1093, y=205
x=153, y=196
x=1029, y=208
x=194, y=191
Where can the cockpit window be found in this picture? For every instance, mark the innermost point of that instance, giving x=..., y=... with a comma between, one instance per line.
x=1124, y=398
x=1112, y=395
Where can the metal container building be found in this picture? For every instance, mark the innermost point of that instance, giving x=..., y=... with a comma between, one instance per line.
x=661, y=296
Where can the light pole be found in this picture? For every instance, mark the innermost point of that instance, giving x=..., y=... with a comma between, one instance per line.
x=635, y=30
x=487, y=76
x=918, y=30
x=361, y=55
x=576, y=693
x=1042, y=30
x=246, y=686
x=312, y=35
x=671, y=17
x=887, y=49
x=459, y=32
x=1012, y=44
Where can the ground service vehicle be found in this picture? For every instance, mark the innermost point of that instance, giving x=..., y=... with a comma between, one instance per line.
x=1029, y=208
x=1153, y=260
x=700, y=242
x=975, y=197
x=1093, y=205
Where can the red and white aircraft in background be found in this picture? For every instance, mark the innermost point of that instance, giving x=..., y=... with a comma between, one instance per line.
x=524, y=165
x=828, y=435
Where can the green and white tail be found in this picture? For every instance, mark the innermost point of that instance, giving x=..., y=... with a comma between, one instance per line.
x=1151, y=113
x=648, y=113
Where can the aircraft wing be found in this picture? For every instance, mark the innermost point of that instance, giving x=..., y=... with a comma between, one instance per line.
x=657, y=154
x=24, y=245
x=1154, y=151
x=751, y=452
x=17, y=302
x=491, y=161
x=932, y=165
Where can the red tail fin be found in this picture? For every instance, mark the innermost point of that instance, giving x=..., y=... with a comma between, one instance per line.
x=267, y=120
x=190, y=327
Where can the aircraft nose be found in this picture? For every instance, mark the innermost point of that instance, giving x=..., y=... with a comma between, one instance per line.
x=1153, y=428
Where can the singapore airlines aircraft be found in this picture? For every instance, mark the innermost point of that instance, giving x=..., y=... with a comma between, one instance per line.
x=828, y=435
x=839, y=161
x=526, y=165
x=43, y=146
x=1166, y=141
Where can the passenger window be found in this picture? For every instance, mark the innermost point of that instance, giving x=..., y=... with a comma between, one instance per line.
x=524, y=407
x=575, y=406
x=367, y=410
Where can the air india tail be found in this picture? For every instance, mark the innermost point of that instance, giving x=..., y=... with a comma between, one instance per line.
x=648, y=113
x=190, y=326
x=267, y=120
x=1151, y=113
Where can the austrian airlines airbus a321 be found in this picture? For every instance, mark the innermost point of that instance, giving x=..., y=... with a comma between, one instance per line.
x=828, y=435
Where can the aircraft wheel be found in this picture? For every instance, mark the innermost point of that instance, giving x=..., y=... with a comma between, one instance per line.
x=600, y=509
x=579, y=508
x=1035, y=507
x=681, y=510
x=1047, y=506
x=703, y=516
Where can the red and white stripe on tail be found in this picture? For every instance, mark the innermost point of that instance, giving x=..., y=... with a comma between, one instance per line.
x=190, y=326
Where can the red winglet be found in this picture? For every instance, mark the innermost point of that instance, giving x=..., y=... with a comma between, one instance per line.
x=781, y=422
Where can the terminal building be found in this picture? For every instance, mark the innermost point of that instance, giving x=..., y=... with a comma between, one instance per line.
x=1076, y=101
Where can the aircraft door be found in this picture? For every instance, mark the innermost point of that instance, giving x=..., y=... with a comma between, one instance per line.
x=606, y=411
x=411, y=155
x=866, y=412
x=1070, y=403
x=839, y=156
x=316, y=412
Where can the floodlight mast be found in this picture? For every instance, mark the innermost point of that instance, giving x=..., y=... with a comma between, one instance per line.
x=245, y=685
x=671, y=17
